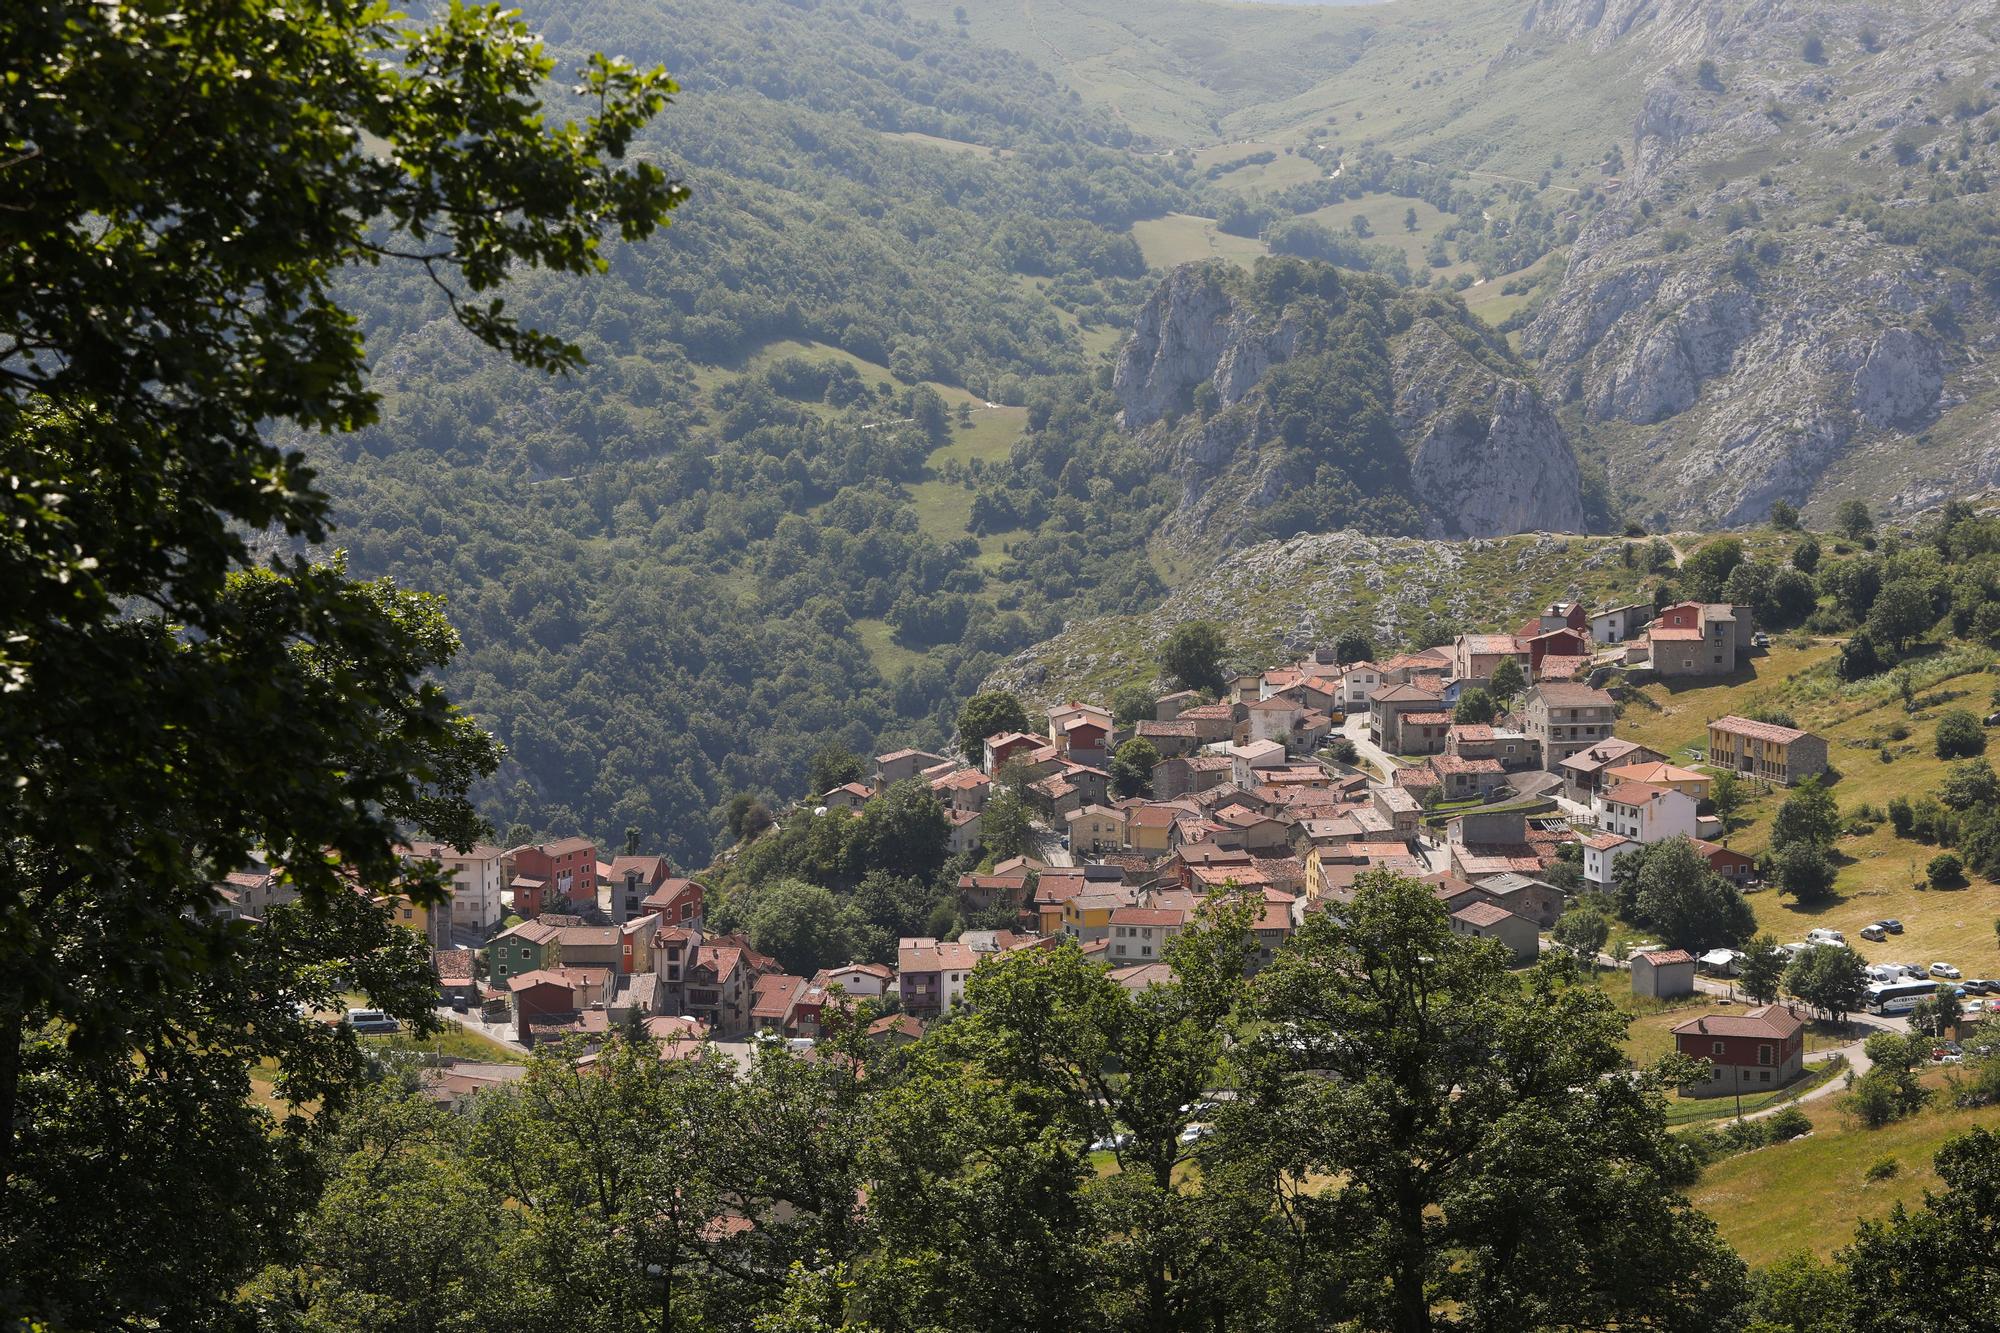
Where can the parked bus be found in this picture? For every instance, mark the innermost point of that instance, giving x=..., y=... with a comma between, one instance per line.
x=1897, y=997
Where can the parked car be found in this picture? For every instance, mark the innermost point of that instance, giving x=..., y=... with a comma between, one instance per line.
x=1891, y=924
x=372, y=1023
x=1822, y=935
x=1111, y=1143
x=460, y=1004
x=1196, y=1133
x=1885, y=972
x=1945, y=970
x=1977, y=986
x=1874, y=933
x=1760, y=640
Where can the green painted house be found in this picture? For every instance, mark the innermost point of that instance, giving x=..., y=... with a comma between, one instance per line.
x=525, y=948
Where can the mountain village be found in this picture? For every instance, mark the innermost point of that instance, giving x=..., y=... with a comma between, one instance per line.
x=1284, y=790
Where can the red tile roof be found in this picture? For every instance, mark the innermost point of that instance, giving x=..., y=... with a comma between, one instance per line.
x=1774, y=1021
x=1482, y=914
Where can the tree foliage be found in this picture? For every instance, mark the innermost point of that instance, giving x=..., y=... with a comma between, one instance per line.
x=1192, y=655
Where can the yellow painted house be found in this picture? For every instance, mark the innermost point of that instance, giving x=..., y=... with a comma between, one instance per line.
x=1683, y=780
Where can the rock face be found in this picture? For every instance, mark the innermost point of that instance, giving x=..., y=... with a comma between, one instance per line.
x=1731, y=335
x=1482, y=452
x=1489, y=455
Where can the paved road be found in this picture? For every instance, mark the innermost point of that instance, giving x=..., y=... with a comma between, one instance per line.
x=1356, y=730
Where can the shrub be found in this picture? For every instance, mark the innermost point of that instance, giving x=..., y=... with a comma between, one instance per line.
x=1959, y=735
x=1790, y=1123
x=1883, y=1168
x=1901, y=815
x=1946, y=871
x=1341, y=750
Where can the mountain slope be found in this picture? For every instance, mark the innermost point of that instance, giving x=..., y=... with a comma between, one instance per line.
x=1301, y=398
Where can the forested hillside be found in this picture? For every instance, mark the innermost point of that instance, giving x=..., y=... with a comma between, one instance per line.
x=686, y=567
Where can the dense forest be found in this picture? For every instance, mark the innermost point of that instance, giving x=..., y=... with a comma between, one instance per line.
x=657, y=565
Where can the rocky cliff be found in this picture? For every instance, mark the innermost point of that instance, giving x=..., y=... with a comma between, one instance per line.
x=1762, y=313
x=1430, y=424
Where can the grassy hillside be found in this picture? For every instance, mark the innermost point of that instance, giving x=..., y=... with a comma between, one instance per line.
x=1881, y=875
x=1807, y=1194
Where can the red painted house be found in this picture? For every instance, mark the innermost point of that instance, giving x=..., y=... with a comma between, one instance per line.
x=677, y=901
x=1754, y=1051
x=1555, y=643
x=564, y=871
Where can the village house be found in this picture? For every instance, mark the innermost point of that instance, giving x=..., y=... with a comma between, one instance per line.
x=1419, y=732
x=1214, y=724
x=862, y=981
x=1357, y=684
x=967, y=828
x=979, y=894
x=249, y=895
x=1140, y=934
x=528, y=947
x=1525, y=896
x=1615, y=624
x=1562, y=717
x=1389, y=703
x=775, y=1001
x=1169, y=707
x=1583, y=772
x=1488, y=922
x=1272, y=719
x=847, y=796
x=1486, y=843
x=478, y=877
x=1087, y=916
x=1251, y=830
x=553, y=998
x=1404, y=668
x=1600, y=856
x=1006, y=745
x=1736, y=867
x=1172, y=739
x=964, y=789
x=1081, y=732
x=1555, y=616
x=899, y=765
x=1476, y=656
x=1663, y=974
x=633, y=880
x=930, y=975
x=1399, y=809
x=717, y=984
x=1645, y=813
x=1556, y=645
x=1765, y=750
x=1658, y=773
x=677, y=902
x=550, y=873
x=1460, y=778
x=1698, y=639
x=1512, y=750
x=1096, y=828
x=1754, y=1051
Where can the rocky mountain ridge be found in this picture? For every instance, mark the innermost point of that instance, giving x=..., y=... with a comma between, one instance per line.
x=1481, y=452
x=1736, y=328
x=1282, y=598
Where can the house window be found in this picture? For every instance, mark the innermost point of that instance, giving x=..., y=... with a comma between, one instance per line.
x=1763, y=1076
x=1764, y=1054
x=1715, y=1048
